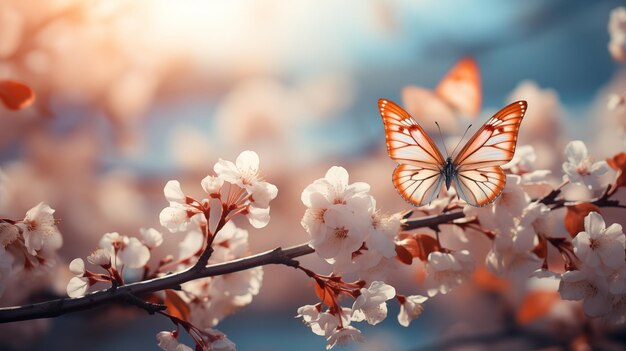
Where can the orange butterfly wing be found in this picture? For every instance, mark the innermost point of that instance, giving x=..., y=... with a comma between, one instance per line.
x=460, y=87
x=418, y=177
x=479, y=178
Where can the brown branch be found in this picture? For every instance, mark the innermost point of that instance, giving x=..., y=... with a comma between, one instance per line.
x=126, y=293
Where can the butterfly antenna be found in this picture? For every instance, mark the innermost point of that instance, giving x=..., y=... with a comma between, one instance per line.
x=463, y=137
x=442, y=141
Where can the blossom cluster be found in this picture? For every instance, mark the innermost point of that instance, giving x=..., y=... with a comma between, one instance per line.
x=346, y=228
x=28, y=244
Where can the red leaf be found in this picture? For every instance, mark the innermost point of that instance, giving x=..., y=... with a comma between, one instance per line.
x=325, y=294
x=618, y=163
x=574, y=218
x=536, y=305
x=489, y=281
x=425, y=244
x=16, y=95
x=176, y=306
x=403, y=255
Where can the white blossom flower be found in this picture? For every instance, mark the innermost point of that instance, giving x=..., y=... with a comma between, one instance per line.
x=383, y=232
x=410, y=309
x=151, y=237
x=599, y=247
x=321, y=323
x=130, y=251
x=344, y=234
x=512, y=250
x=342, y=336
x=447, y=270
x=100, y=257
x=217, y=341
x=8, y=234
x=587, y=286
x=617, y=281
x=212, y=184
x=176, y=216
x=40, y=231
x=77, y=266
x=332, y=189
x=371, y=304
x=134, y=254
x=169, y=342
x=579, y=168
x=617, y=32
x=245, y=174
x=77, y=286
x=257, y=216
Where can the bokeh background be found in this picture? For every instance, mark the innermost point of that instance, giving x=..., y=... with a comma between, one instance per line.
x=131, y=94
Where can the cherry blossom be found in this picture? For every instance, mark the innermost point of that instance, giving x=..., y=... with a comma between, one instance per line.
x=344, y=234
x=168, y=341
x=342, y=336
x=212, y=185
x=40, y=231
x=371, y=305
x=79, y=284
x=151, y=237
x=599, y=247
x=447, y=270
x=411, y=307
x=176, y=216
x=100, y=257
x=245, y=174
x=126, y=251
x=587, y=286
x=579, y=168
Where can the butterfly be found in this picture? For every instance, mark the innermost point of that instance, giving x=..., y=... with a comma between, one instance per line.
x=475, y=171
x=457, y=94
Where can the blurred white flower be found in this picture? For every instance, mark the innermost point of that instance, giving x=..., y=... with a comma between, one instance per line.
x=617, y=280
x=77, y=266
x=40, y=231
x=134, y=254
x=615, y=100
x=176, y=216
x=151, y=237
x=321, y=323
x=523, y=160
x=410, y=309
x=617, y=33
x=343, y=336
x=447, y=270
x=169, y=342
x=212, y=184
x=578, y=167
x=77, y=286
x=383, y=232
x=587, y=286
x=257, y=216
x=8, y=234
x=598, y=247
x=100, y=257
x=371, y=305
x=130, y=251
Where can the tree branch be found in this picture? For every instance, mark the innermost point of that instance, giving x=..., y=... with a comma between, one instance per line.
x=55, y=308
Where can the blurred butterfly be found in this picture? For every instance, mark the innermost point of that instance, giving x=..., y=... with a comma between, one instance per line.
x=475, y=171
x=457, y=94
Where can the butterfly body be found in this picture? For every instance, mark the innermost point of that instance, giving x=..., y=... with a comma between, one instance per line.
x=475, y=170
x=448, y=172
